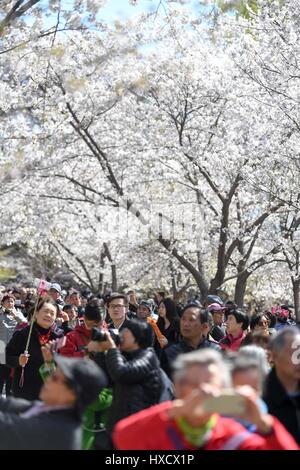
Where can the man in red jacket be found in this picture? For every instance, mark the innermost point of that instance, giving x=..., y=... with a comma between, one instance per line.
x=78, y=339
x=185, y=424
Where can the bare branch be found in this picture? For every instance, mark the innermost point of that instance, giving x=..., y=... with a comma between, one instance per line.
x=16, y=11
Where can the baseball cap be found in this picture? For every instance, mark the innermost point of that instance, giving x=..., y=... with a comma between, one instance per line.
x=214, y=299
x=56, y=286
x=215, y=308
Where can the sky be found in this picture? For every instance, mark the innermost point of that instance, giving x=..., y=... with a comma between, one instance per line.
x=122, y=9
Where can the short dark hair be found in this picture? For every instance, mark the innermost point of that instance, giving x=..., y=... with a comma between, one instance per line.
x=93, y=311
x=68, y=307
x=161, y=293
x=7, y=297
x=204, y=315
x=241, y=317
x=117, y=296
x=142, y=332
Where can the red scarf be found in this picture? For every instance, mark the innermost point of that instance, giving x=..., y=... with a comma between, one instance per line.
x=43, y=339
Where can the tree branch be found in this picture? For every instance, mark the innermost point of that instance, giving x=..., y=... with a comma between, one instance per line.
x=16, y=11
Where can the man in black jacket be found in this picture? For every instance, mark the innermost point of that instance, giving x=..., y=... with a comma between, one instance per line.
x=55, y=422
x=195, y=324
x=282, y=391
x=117, y=308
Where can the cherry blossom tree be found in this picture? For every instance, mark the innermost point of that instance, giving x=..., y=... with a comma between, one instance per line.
x=157, y=130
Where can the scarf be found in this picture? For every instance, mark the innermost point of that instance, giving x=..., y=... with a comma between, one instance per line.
x=44, y=334
x=197, y=437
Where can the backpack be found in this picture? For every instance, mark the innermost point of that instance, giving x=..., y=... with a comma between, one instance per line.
x=167, y=392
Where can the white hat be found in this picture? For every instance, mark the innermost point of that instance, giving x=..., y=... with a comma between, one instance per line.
x=56, y=286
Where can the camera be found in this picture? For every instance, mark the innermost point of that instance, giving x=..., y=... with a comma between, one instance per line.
x=100, y=335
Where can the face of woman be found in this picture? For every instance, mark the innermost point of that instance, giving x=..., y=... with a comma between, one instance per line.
x=45, y=317
x=162, y=310
x=232, y=326
x=9, y=304
x=128, y=342
x=262, y=325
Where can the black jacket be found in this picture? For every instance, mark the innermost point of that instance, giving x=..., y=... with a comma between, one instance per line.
x=171, y=333
x=286, y=409
x=32, y=379
x=137, y=382
x=53, y=430
x=170, y=353
x=218, y=332
x=111, y=325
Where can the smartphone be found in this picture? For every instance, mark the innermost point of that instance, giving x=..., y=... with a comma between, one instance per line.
x=229, y=403
x=18, y=302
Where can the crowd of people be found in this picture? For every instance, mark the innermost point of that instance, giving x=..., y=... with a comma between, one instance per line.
x=79, y=371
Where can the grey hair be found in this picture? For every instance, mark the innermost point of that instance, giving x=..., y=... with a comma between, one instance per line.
x=278, y=341
x=251, y=357
x=202, y=357
x=258, y=356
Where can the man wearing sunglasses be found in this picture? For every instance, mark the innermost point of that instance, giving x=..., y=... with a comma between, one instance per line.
x=55, y=421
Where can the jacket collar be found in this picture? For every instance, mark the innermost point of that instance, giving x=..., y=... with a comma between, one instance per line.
x=276, y=389
x=204, y=341
x=237, y=338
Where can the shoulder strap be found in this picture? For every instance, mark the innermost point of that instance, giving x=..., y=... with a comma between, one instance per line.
x=234, y=442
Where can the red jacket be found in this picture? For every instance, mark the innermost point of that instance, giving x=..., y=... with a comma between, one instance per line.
x=152, y=429
x=75, y=342
x=231, y=343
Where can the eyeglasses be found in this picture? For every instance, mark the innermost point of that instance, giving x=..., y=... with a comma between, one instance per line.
x=115, y=306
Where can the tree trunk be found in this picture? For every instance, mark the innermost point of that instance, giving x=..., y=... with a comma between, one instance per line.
x=217, y=281
x=114, y=280
x=240, y=288
x=296, y=292
x=101, y=272
x=173, y=279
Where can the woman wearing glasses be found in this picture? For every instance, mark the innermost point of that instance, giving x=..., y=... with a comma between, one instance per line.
x=259, y=323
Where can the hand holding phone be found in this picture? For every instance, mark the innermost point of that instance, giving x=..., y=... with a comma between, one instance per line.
x=229, y=403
